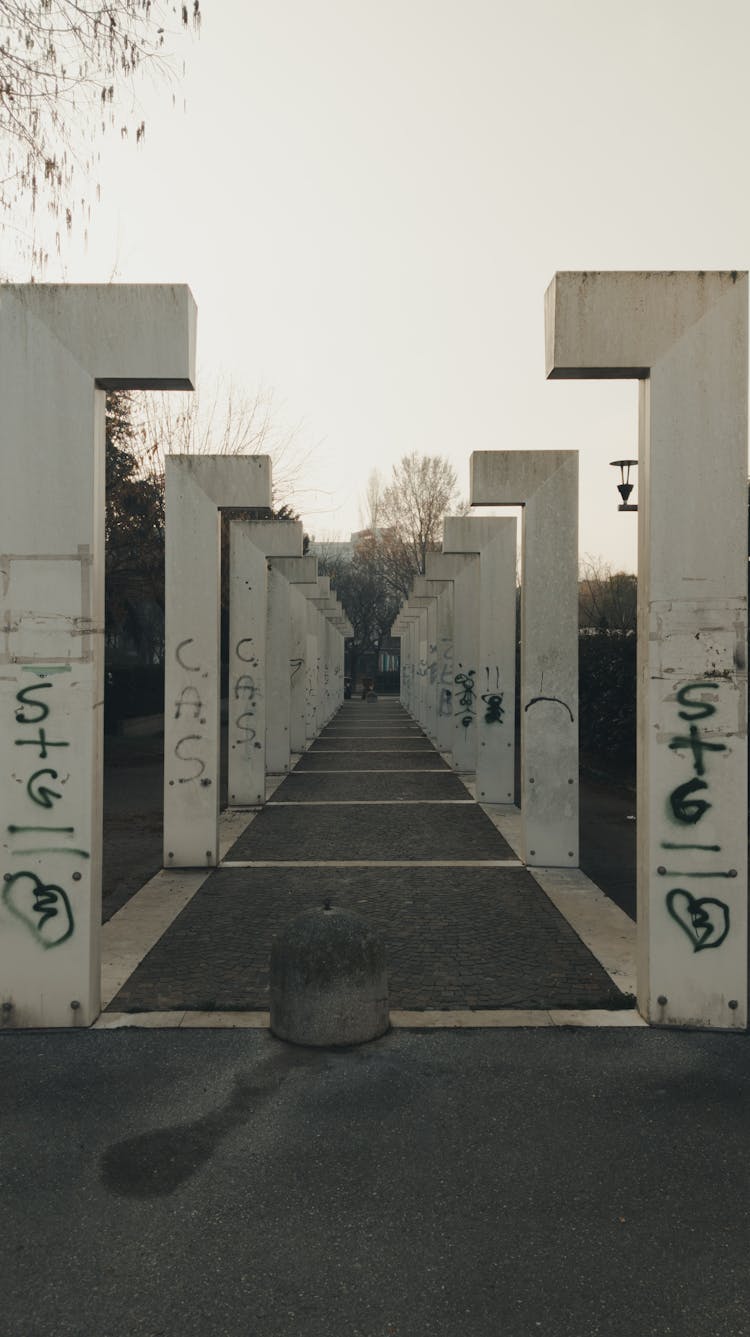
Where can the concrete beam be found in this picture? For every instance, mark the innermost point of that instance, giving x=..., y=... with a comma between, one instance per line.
x=494, y=539
x=545, y=483
x=196, y=489
x=684, y=337
x=61, y=346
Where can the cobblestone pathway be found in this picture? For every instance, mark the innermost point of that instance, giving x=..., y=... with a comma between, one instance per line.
x=373, y=818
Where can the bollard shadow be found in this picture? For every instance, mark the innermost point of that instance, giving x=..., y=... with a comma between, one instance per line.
x=156, y=1163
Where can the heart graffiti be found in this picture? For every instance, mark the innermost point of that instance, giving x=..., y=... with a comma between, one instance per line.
x=704, y=919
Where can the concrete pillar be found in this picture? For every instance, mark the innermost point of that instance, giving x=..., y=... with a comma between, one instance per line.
x=463, y=570
x=246, y=718
x=278, y=539
x=423, y=593
x=545, y=483
x=683, y=336
x=400, y=630
x=298, y=571
x=196, y=488
x=415, y=612
x=422, y=608
x=61, y=348
x=311, y=671
x=444, y=664
x=495, y=542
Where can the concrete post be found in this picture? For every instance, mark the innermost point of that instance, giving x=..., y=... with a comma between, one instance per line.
x=246, y=726
x=545, y=483
x=61, y=348
x=495, y=541
x=196, y=488
x=400, y=629
x=278, y=539
x=684, y=337
x=463, y=570
x=424, y=596
x=311, y=671
x=298, y=571
x=415, y=611
x=421, y=609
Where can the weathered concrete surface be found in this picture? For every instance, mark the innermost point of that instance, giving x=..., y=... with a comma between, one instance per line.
x=578, y=1183
x=328, y=979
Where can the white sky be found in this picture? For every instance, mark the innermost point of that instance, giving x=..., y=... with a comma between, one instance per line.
x=368, y=199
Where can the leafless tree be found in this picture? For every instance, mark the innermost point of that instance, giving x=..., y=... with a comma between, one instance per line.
x=421, y=490
x=607, y=599
x=221, y=419
x=64, y=67
x=369, y=511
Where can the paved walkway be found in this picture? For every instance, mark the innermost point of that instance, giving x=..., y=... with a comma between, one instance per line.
x=373, y=818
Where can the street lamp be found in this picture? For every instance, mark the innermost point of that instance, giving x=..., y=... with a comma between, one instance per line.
x=625, y=487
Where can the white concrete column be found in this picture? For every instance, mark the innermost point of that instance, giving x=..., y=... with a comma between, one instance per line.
x=422, y=595
x=415, y=611
x=545, y=483
x=495, y=541
x=463, y=570
x=278, y=539
x=684, y=337
x=279, y=688
x=444, y=663
x=61, y=348
x=300, y=572
x=196, y=488
x=400, y=631
x=410, y=647
x=246, y=727
x=311, y=671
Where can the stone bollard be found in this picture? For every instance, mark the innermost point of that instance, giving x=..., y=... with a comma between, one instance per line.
x=329, y=984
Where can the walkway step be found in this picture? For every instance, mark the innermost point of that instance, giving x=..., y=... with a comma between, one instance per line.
x=374, y=832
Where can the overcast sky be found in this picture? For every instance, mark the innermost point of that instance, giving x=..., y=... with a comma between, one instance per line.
x=368, y=199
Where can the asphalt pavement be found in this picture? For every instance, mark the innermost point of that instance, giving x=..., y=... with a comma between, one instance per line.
x=587, y=1183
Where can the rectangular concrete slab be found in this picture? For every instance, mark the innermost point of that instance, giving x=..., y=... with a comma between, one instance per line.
x=373, y=761
x=372, y=833
x=486, y=938
x=405, y=745
x=306, y=788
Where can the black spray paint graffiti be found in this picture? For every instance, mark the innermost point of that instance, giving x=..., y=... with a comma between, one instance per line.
x=466, y=701
x=494, y=712
x=246, y=690
x=493, y=699
x=555, y=700
x=704, y=920
x=43, y=906
x=445, y=705
x=199, y=762
x=190, y=699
